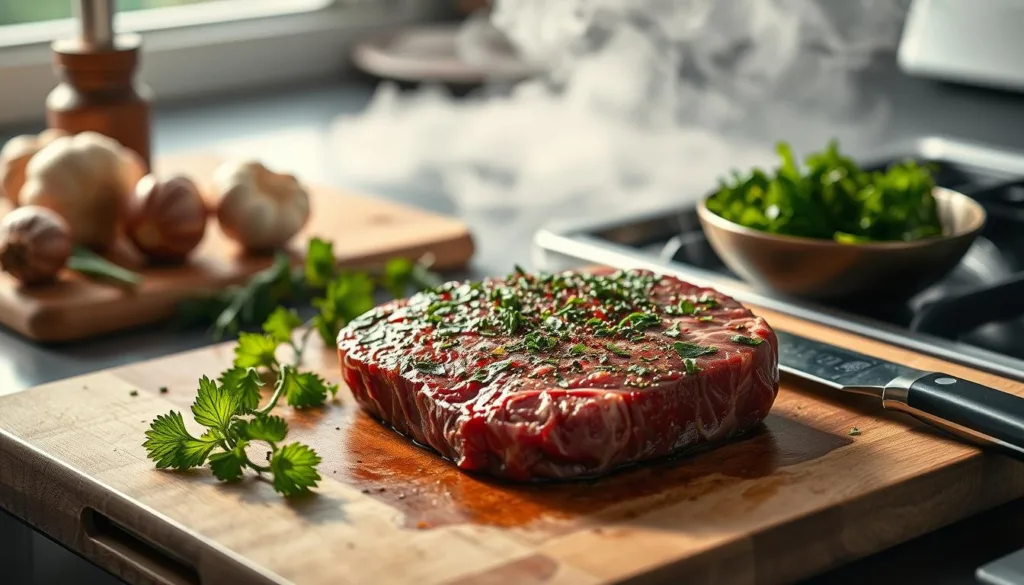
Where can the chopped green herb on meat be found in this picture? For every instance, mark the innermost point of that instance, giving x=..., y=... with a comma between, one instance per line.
x=692, y=369
x=746, y=340
x=427, y=367
x=552, y=327
x=487, y=374
x=616, y=350
x=692, y=350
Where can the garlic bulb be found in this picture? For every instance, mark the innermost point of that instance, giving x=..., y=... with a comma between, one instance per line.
x=35, y=244
x=166, y=220
x=260, y=209
x=14, y=158
x=82, y=178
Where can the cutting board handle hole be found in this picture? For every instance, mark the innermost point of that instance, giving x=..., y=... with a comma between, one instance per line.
x=138, y=552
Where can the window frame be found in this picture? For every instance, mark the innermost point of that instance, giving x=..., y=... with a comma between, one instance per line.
x=191, y=55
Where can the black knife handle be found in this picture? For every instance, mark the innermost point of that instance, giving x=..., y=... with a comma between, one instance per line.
x=982, y=414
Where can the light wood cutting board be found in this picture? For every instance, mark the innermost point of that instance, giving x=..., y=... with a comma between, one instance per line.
x=799, y=496
x=365, y=231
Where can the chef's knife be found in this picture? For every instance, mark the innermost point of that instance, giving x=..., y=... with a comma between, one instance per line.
x=972, y=411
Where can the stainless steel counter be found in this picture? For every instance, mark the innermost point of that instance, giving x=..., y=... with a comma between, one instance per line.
x=288, y=129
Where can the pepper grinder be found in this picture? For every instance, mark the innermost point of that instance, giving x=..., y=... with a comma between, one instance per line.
x=98, y=90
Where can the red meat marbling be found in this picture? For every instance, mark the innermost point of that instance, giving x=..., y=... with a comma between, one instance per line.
x=562, y=376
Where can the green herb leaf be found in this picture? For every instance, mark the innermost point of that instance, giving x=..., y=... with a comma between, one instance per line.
x=489, y=373
x=267, y=427
x=92, y=265
x=746, y=340
x=570, y=304
x=251, y=304
x=345, y=298
x=427, y=367
x=303, y=389
x=328, y=328
x=244, y=384
x=397, y=275
x=578, y=349
x=639, y=370
x=616, y=350
x=169, y=444
x=227, y=465
x=280, y=325
x=691, y=366
x=320, y=264
x=640, y=320
x=537, y=342
x=708, y=301
x=692, y=350
x=214, y=405
x=294, y=469
x=673, y=331
x=255, y=350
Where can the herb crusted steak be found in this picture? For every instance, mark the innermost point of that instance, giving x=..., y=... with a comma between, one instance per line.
x=562, y=375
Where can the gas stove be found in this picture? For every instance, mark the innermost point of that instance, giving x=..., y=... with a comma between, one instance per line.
x=975, y=316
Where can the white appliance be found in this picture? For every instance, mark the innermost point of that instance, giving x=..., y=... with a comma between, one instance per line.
x=976, y=42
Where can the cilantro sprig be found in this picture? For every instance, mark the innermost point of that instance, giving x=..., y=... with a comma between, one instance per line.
x=231, y=410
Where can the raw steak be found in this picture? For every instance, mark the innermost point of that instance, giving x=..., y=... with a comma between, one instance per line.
x=562, y=376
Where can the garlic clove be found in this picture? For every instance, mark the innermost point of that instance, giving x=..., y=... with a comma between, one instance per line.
x=35, y=244
x=14, y=159
x=166, y=220
x=260, y=209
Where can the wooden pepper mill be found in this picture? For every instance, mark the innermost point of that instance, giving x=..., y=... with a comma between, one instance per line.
x=98, y=90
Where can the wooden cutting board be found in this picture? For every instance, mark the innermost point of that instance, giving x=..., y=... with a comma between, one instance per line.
x=365, y=231
x=797, y=497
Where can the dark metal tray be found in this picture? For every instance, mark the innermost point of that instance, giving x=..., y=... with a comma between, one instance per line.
x=975, y=316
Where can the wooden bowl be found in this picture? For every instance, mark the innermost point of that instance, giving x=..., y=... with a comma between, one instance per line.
x=825, y=269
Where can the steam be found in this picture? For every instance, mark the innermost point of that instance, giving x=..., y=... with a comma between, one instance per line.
x=642, y=102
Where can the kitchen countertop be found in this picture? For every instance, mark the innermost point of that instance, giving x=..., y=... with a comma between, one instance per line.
x=299, y=117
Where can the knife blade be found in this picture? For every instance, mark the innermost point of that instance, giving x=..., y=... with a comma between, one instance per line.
x=972, y=411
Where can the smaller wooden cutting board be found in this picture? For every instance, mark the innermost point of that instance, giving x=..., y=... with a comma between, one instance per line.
x=365, y=231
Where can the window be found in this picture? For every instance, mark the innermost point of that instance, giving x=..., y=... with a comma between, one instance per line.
x=196, y=47
x=40, y=10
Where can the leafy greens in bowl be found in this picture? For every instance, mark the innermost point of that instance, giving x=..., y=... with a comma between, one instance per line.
x=832, y=199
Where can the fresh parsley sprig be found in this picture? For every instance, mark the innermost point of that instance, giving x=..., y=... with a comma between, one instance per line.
x=229, y=408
